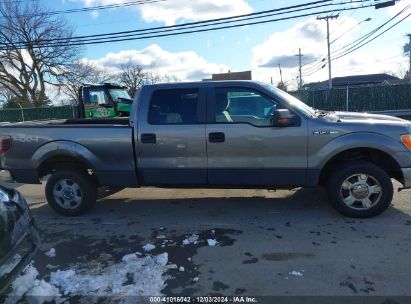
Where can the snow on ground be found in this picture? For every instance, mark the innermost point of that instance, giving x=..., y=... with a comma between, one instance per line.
x=51, y=253
x=191, y=239
x=29, y=286
x=149, y=247
x=296, y=273
x=133, y=276
x=212, y=242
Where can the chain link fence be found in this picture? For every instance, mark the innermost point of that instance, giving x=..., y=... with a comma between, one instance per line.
x=359, y=99
x=27, y=114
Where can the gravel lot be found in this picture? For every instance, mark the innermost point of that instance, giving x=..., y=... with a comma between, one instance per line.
x=235, y=242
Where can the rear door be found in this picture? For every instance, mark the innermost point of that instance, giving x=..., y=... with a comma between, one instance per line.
x=243, y=147
x=171, y=137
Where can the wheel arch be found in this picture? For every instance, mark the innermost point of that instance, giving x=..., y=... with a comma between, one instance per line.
x=377, y=156
x=64, y=155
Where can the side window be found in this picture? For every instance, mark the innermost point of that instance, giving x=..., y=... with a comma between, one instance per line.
x=234, y=105
x=97, y=97
x=177, y=106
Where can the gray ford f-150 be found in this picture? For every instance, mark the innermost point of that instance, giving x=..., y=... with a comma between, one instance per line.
x=235, y=134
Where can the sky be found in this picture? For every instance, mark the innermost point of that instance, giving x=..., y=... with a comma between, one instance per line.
x=259, y=48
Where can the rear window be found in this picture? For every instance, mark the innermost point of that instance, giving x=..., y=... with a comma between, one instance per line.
x=177, y=106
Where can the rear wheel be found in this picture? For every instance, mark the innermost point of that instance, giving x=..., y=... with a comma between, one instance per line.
x=71, y=193
x=360, y=189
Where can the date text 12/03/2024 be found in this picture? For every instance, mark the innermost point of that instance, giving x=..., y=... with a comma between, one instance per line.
x=206, y=299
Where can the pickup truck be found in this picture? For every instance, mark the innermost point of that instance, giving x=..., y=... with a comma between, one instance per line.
x=229, y=134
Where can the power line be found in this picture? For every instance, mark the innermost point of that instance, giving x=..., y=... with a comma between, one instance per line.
x=203, y=22
x=318, y=66
x=171, y=29
x=372, y=39
x=84, y=9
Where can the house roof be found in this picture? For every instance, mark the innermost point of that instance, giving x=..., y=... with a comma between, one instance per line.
x=354, y=80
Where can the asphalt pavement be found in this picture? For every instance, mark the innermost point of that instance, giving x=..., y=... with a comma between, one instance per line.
x=268, y=243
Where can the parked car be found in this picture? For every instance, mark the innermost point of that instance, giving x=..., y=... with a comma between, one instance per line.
x=19, y=237
x=234, y=134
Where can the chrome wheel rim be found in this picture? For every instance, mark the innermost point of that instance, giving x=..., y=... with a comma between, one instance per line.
x=67, y=194
x=361, y=191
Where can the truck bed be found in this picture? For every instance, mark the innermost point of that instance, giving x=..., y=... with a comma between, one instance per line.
x=104, y=145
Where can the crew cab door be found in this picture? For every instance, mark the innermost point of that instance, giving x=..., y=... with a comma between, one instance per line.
x=171, y=136
x=243, y=147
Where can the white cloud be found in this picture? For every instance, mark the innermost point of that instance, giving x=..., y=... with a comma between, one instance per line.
x=185, y=66
x=172, y=12
x=310, y=36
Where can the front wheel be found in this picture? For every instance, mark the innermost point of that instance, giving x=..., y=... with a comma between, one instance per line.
x=360, y=189
x=71, y=193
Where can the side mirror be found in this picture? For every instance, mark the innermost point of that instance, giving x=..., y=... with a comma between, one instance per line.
x=282, y=118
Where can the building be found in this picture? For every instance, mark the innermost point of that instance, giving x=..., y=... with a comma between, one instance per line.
x=356, y=80
x=246, y=75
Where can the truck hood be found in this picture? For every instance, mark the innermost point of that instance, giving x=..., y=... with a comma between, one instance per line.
x=355, y=117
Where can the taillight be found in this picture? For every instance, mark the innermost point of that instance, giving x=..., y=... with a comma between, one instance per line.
x=5, y=145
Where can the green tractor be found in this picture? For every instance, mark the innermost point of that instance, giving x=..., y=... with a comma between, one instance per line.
x=104, y=100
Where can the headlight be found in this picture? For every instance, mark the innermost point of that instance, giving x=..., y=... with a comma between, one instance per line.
x=406, y=140
x=4, y=196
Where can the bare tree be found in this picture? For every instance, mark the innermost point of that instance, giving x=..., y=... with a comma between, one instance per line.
x=132, y=77
x=282, y=86
x=29, y=59
x=81, y=73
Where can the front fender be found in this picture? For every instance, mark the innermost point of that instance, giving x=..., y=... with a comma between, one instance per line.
x=318, y=158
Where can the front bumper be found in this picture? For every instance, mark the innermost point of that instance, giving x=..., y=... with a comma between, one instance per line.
x=406, y=173
x=18, y=258
x=6, y=177
x=19, y=237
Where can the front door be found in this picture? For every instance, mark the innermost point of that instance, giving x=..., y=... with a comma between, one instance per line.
x=243, y=147
x=171, y=138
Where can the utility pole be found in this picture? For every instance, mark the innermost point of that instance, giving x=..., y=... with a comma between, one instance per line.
x=300, y=85
x=281, y=73
x=409, y=50
x=327, y=18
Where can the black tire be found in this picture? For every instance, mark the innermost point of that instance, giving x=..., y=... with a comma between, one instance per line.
x=340, y=188
x=84, y=197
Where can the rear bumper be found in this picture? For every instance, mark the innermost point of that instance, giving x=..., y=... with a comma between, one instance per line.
x=406, y=173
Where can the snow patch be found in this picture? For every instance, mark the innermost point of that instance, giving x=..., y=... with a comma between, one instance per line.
x=191, y=239
x=51, y=253
x=146, y=278
x=296, y=273
x=131, y=256
x=133, y=276
x=27, y=285
x=149, y=247
x=212, y=242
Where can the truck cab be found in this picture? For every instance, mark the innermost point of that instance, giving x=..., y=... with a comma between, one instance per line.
x=104, y=100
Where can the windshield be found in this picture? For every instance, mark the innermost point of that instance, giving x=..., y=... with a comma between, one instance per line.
x=291, y=100
x=118, y=93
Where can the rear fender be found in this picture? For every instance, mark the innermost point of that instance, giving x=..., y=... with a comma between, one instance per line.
x=64, y=148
